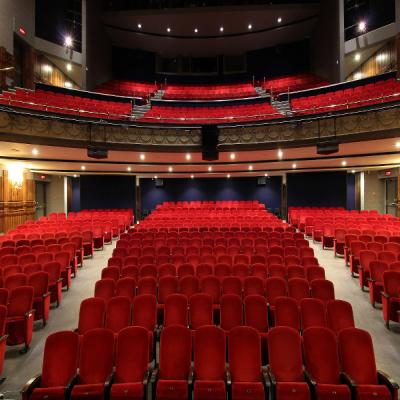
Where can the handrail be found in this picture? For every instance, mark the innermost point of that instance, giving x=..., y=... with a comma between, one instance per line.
x=255, y=117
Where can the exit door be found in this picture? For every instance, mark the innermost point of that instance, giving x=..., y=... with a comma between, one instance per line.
x=391, y=196
x=40, y=210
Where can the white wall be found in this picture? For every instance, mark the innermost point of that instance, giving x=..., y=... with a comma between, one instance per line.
x=55, y=197
x=374, y=192
x=13, y=15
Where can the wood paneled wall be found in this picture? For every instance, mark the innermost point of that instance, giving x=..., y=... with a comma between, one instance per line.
x=16, y=204
x=6, y=61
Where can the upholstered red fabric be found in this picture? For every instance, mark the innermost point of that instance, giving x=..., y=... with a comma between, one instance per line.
x=253, y=285
x=322, y=289
x=211, y=285
x=167, y=285
x=91, y=314
x=275, y=287
x=118, y=313
x=176, y=310
x=292, y=391
x=126, y=287
x=298, y=288
x=104, y=288
x=287, y=313
x=231, y=311
x=189, y=285
x=256, y=312
x=339, y=315
x=391, y=299
x=48, y=393
x=209, y=390
x=147, y=285
x=201, y=310
x=145, y=311
x=248, y=391
x=328, y=392
x=312, y=313
x=232, y=285
x=172, y=389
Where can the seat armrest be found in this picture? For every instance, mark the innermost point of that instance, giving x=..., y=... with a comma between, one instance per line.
x=385, y=379
x=271, y=376
x=385, y=295
x=3, y=338
x=154, y=376
x=371, y=280
x=228, y=377
x=29, y=313
x=191, y=376
x=70, y=385
x=347, y=380
x=310, y=380
x=109, y=380
x=146, y=377
x=29, y=386
x=272, y=385
x=46, y=295
x=266, y=380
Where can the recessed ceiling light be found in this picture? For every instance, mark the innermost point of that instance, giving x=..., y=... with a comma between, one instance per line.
x=344, y=163
x=139, y=26
x=69, y=67
x=68, y=41
x=357, y=57
x=221, y=29
x=169, y=169
x=265, y=174
x=398, y=145
x=228, y=176
x=35, y=152
x=188, y=157
x=129, y=169
x=75, y=175
x=155, y=177
x=233, y=156
x=209, y=169
x=362, y=26
x=353, y=171
x=83, y=167
x=279, y=20
x=195, y=30
x=250, y=168
x=250, y=26
x=168, y=30
x=280, y=153
x=142, y=156
x=192, y=176
x=294, y=166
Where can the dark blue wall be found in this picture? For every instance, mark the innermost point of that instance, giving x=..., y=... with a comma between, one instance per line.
x=351, y=192
x=107, y=191
x=76, y=194
x=176, y=189
x=317, y=189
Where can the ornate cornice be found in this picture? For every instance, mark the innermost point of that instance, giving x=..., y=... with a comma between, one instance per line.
x=355, y=126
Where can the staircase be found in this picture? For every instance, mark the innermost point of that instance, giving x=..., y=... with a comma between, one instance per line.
x=282, y=107
x=260, y=91
x=139, y=111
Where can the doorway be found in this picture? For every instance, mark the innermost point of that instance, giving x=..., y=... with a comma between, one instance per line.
x=40, y=210
x=391, y=196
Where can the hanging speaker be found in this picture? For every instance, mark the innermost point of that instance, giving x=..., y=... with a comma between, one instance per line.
x=209, y=142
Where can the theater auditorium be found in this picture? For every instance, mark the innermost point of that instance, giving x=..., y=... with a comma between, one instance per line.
x=199, y=199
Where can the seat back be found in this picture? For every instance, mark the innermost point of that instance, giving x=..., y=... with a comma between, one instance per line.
x=231, y=311
x=40, y=283
x=201, y=310
x=321, y=356
x=287, y=313
x=391, y=283
x=244, y=354
x=144, y=311
x=322, y=289
x=256, y=312
x=298, y=289
x=20, y=301
x=132, y=355
x=126, y=287
x=339, y=315
x=104, y=288
x=357, y=357
x=176, y=310
x=312, y=313
x=96, y=356
x=175, y=352
x=91, y=314
x=209, y=353
x=118, y=313
x=60, y=359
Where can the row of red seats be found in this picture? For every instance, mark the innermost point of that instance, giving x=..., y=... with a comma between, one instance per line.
x=292, y=83
x=88, y=365
x=67, y=104
x=128, y=88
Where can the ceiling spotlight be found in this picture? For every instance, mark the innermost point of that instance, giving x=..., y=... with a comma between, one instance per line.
x=69, y=67
x=191, y=176
x=47, y=68
x=209, y=169
x=83, y=167
x=195, y=30
x=155, y=177
x=357, y=57
x=129, y=169
x=221, y=29
x=35, y=152
x=168, y=30
x=294, y=166
x=344, y=163
x=228, y=176
x=280, y=153
x=188, y=157
x=265, y=174
x=68, y=42
x=169, y=169
x=250, y=168
x=398, y=145
x=139, y=26
x=75, y=175
x=142, y=157
x=250, y=26
x=362, y=26
x=353, y=171
x=68, y=84
x=233, y=156
x=279, y=20
x=358, y=75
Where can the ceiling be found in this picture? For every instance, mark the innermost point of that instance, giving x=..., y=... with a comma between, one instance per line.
x=297, y=22
x=381, y=154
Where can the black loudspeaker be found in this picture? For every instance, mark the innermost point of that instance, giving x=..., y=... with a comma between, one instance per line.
x=209, y=142
x=97, y=152
x=159, y=182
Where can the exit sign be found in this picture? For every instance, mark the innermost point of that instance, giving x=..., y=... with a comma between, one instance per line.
x=22, y=31
x=388, y=173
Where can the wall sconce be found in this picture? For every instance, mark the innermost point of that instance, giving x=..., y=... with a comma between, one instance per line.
x=16, y=176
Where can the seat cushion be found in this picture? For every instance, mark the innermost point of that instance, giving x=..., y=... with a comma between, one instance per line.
x=131, y=391
x=212, y=390
x=248, y=391
x=373, y=392
x=91, y=391
x=53, y=393
x=170, y=390
x=330, y=392
x=292, y=391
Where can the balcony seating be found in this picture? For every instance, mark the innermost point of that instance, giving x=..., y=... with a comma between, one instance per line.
x=127, y=88
x=292, y=83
